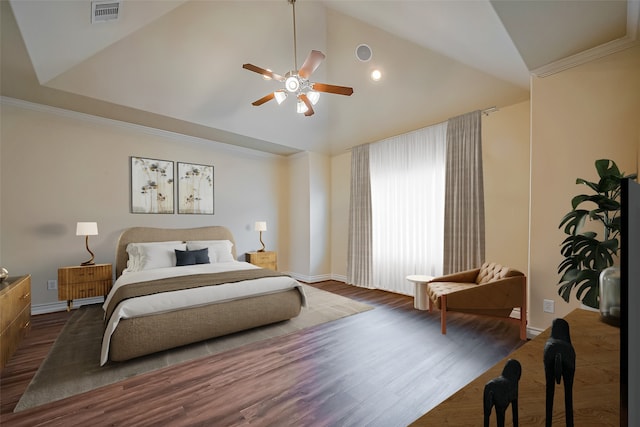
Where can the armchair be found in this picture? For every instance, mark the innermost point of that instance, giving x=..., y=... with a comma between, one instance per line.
x=489, y=290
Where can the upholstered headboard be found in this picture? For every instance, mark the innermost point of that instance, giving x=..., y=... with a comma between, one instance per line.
x=148, y=234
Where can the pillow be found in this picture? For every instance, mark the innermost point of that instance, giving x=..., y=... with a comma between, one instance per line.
x=200, y=256
x=150, y=255
x=219, y=250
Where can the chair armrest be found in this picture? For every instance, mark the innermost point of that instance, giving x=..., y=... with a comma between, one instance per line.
x=503, y=293
x=468, y=276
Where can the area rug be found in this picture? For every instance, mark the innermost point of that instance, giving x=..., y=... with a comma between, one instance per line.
x=73, y=364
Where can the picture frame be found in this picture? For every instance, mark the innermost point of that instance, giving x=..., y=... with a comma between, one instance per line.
x=195, y=189
x=152, y=186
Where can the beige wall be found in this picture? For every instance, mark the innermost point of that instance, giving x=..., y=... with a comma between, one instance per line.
x=505, y=158
x=578, y=116
x=310, y=221
x=60, y=167
x=340, y=193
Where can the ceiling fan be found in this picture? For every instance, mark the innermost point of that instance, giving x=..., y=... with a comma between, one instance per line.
x=297, y=82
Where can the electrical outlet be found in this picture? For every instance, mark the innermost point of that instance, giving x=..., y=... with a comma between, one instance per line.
x=548, y=306
x=52, y=285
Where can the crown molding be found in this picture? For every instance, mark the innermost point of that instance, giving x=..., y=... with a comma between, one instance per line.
x=626, y=42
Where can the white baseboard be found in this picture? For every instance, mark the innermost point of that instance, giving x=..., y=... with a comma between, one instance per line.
x=52, y=307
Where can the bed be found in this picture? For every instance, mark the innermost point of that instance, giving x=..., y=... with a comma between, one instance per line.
x=163, y=299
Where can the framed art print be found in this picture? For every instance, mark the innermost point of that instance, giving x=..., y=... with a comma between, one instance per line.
x=195, y=189
x=152, y=186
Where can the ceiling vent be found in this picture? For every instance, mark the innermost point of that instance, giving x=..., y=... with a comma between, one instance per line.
x=102, y=11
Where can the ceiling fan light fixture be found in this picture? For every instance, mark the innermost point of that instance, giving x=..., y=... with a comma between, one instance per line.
x=301, y=107
x=292, y=84
x=280, y=96
x=313, y=96
x=297, y=81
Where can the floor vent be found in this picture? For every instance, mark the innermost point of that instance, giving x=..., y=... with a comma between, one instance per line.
x=102, y=11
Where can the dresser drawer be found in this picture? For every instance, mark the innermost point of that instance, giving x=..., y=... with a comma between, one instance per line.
x=15, y=314
x=14, y=299
x=13, y=334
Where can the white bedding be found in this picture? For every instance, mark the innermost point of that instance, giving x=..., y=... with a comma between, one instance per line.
x=167, y=301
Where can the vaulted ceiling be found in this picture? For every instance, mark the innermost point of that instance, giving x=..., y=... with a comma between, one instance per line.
x=177, y=65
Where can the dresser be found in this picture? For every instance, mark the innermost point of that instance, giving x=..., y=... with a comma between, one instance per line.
x=15, y=314
x=265, y=259
x=84, y=281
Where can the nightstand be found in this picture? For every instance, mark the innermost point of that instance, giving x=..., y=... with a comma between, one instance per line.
x=84, y=281
x=266, y=259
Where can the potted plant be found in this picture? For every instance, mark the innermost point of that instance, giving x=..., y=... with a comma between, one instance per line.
x=585, y=253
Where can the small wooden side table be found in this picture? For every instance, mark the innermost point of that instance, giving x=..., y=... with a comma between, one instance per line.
x=84, y=281
x=265, y=259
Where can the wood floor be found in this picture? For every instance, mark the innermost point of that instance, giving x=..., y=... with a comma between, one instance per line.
x=385, y=367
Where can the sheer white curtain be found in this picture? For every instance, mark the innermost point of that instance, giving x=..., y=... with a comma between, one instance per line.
x=407, y=174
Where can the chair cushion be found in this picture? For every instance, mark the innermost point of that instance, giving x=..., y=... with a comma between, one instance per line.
x=491, y=271
x=436, y=289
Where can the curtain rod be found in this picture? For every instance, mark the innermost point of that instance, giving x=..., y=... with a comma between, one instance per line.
x=485, y=112
x=489, y=110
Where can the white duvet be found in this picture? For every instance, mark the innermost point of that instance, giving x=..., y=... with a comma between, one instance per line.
x=168, y=301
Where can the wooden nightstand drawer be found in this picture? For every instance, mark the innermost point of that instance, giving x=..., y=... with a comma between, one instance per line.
x=84, y=273
x=73, y=291
x=266, y=259
x=84, y=281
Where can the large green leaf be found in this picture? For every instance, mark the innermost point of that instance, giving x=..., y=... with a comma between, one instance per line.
x=606, y=167
x=574, y=221
x=592, y=185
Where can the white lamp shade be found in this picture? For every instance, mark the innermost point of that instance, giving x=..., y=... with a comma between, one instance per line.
x=302, y=107
x=87, y=229
x=280, y=96
x=261, y=226
x=313, y=96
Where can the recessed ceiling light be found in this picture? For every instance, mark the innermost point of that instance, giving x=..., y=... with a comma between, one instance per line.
x=376, y=75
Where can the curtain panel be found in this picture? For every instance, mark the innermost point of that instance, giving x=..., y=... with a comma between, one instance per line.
x=359, y=250
x=407, y=197
x=464, y=232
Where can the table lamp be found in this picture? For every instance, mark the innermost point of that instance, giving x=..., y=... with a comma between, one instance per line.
x=261, y=226
x=87, y=229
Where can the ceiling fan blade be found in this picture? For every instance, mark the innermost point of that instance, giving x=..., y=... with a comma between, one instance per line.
x=305, y=99
x=339, y=90
x=264, y=72
x=311, y=63
x=264, y=99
